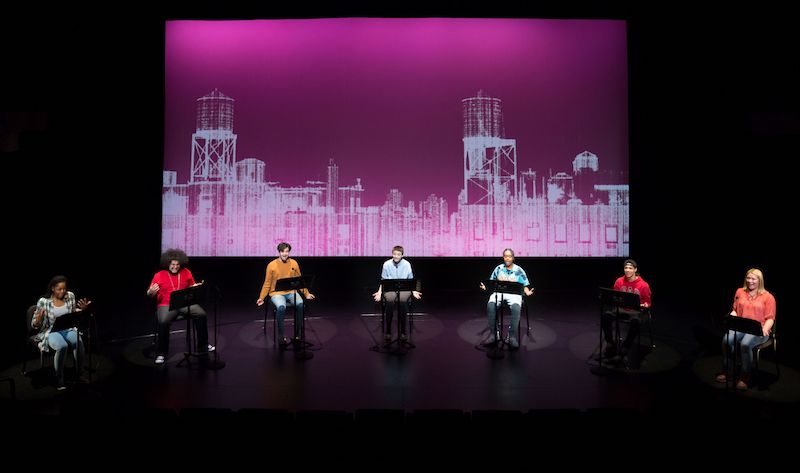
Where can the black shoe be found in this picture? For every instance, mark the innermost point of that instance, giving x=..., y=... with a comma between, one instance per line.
x=283, y=341
x=610, y=351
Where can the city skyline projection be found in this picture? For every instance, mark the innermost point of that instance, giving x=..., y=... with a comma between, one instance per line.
x=346, y=137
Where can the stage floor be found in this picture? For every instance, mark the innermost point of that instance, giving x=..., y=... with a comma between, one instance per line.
x=555, y=368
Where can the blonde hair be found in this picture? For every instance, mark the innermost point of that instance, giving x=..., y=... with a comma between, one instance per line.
x=757, y=273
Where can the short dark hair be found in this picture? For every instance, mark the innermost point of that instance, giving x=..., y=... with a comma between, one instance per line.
x=174, y=254
x=509, y=249
x=284, y=246
x=630, y=262
x=398, y=248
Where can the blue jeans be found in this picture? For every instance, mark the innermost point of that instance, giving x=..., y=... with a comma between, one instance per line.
x=60, y=342
x=280, y=302
x=746, y=343
x=491, y=313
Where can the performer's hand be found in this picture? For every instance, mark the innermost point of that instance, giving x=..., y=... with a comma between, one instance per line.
x=153, y=290
x=260, y=302
x=83, y=304
x=311, y=296
x=38, y=316
x=483, y=287
x=765, y=331
x=417, y=294
x=377, y=296
x=645, y=305
x=197, y=283
x=528, y=291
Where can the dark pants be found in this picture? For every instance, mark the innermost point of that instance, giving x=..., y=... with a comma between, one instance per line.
x=166, y=317
x=609, y=326
x=391, y=307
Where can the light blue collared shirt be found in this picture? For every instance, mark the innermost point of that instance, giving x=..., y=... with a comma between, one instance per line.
x=401, y=270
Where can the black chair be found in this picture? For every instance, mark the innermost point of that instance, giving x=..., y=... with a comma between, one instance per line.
x=191, y=335
x=645, y=318
x=30, y=341
x=772, y=342
x=529, y=330
x=272, y=308
x=409, y=315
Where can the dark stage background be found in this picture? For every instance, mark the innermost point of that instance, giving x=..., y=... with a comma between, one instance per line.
x=713, y=106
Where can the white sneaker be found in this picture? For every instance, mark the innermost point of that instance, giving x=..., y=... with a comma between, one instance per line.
x=211, y=347
x=160, y=360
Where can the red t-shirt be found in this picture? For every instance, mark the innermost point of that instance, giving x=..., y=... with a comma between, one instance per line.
x=637, y=286
x=169, y=282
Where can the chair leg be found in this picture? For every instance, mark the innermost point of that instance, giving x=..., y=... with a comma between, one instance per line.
x=155, y=340
x=756, y=373
x=527, y=323
x=275, y=328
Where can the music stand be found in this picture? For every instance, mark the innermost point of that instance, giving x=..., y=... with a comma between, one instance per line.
x=186, y=298
x=70, y=320
x=295, y=285
x=397, y=286
x=76, y=320
x=498, y=287
x=616, y=300
x=737, y=324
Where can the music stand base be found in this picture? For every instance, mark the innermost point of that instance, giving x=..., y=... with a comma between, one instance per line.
x=300, y=348
x=495, y=351
x=203, y=359
x=398, y=347
x=303, y=355
x=602, y=371
x=213, y=365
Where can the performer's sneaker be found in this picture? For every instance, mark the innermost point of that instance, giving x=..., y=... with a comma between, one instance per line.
x=160, y=360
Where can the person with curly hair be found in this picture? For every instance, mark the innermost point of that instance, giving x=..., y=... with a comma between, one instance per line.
x=173, y=277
